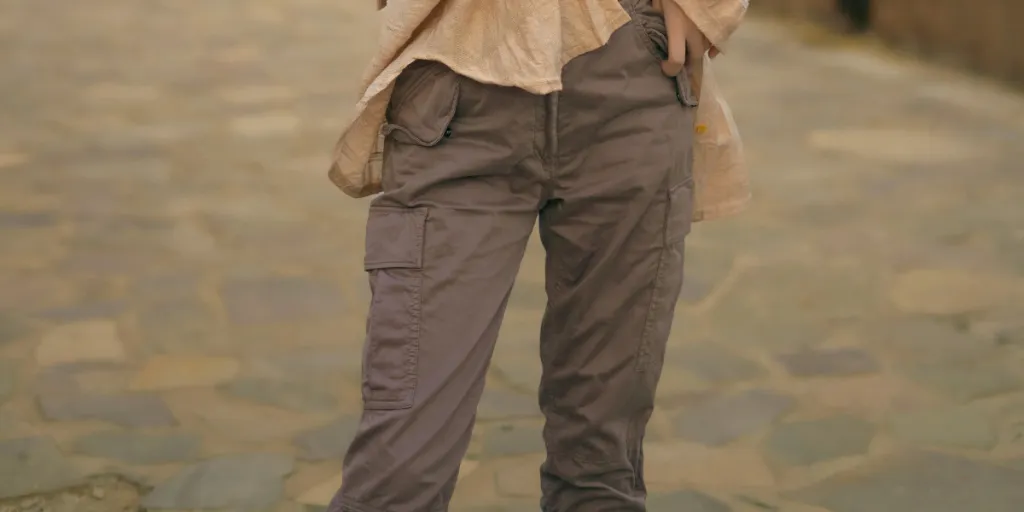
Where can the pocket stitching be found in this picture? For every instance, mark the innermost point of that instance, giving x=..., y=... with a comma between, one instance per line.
x=416, y=262
x=435, y=69
x=403, y=394
x=446, y=119
x=672, y=235
x=431, y=69
x=403, y=397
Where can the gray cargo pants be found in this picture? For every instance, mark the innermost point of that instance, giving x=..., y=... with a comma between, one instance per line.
x=469, y=167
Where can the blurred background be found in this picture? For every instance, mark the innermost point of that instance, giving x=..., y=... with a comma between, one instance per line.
x=182, y=300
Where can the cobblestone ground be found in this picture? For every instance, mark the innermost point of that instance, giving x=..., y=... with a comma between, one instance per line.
x=181, y=300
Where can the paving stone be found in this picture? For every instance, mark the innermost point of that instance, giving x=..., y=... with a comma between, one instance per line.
x=467, y=467
x=139, y=448
x=173, y=372
x=840, y=362
x=112, y=262
x=713, y=365
x=23, y=294
x=510, y=439
x=528, y=295
x=497, y=404
x=121, y=92
x=262, y=207
x=250, y=94
x=517, y=366
x=723, y=419
x=809, y=442
x=33, y=465
x=926, y=340
x=329, y=441
x=13, y=328
x=920, y=481
x=895, y=145
x=748, y=315
x=672, y=465
x=948, y=291
x=696, y=288
x=265, y=125
x=178, y=322
x=321, y=494
x=958, y=427
x=243, y=422
x=10, y=160
x=101, y=379
x=298, y=396
x=280, y=299
x=143, y=171
x=133, y=410
x=27, y=219
x=147, y=136
x=92, y=310
x=192, y=240
x=872, y=397
x=966, y=383
x=304, y=364
x=690, y=501
x=9, y=371
x=166, y=286
x=759, y=501
x=13, y=426
x=94, y=340
x=519, y=478
x=252, y=481
x=706, y=266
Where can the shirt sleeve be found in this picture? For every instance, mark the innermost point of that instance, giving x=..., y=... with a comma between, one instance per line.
x=717, y=19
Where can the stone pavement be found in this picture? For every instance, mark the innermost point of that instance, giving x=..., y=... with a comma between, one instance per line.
x=181, y=300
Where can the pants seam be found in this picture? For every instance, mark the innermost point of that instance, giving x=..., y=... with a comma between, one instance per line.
x=643, y=352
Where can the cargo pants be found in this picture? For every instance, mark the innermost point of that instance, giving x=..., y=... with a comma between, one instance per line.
x=605, y=164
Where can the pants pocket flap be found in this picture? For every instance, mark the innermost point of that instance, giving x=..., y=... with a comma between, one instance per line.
x=394, y=238
x=423, y=105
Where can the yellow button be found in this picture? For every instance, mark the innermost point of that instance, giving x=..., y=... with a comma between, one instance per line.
x=701, y=129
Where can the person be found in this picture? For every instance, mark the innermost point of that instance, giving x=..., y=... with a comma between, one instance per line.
x=478, y=119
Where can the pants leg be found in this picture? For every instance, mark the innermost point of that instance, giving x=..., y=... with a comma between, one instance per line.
x=614, y=236
x=443, y=245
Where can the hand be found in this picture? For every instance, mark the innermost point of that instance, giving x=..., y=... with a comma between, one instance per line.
x=686, y=43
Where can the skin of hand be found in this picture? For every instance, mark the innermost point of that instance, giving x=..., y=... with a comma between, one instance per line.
x=686, y=43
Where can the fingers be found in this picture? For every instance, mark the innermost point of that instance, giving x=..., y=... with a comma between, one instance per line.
x=676, y=26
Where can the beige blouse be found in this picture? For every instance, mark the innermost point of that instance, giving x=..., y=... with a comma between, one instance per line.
x=525, y=44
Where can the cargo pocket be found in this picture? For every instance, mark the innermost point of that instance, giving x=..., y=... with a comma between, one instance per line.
x=394, y=262
x=667, y=282
x=423, y=105
x=680, y=212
